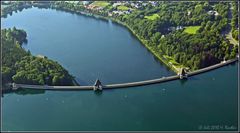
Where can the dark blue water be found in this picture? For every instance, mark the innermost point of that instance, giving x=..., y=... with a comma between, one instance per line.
x=90, y=48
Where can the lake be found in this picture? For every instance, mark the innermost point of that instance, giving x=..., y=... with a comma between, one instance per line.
x=90, y=48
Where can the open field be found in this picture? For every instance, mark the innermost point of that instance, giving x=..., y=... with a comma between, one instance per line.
x=152, y=17
x=191, y=29
x=100, y=3
x=122, y=8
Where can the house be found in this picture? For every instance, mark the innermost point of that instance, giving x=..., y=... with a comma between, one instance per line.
x=116, y=4
x=154, y=3
x=109, y=14
x=74, y=2
x=179, y=27
x=85, y=2
x=118, y=12
x=213, y=13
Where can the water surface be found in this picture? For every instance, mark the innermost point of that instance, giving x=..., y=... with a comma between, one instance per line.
x=90, y=48
x=87, y=47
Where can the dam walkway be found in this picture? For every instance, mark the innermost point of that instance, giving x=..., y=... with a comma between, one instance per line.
x=99, y=86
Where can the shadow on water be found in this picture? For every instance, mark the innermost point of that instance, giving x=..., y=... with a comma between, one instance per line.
x=24, y=92
x=193, y=78
x=82, y=13
x=233, y=64
x=183, y=81
x=98, y=93
x=29, y=92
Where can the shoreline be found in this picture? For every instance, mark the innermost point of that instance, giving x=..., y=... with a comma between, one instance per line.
x=143, y=42
x=5, y=87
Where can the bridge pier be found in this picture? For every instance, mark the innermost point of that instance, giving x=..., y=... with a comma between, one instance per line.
x=15, y=86
x=183, y=74
x=97, y=85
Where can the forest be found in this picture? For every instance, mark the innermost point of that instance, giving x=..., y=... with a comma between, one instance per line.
x=161, y=28
x=182, y=34
x=13, y=7
x=9, y=8
x=234, y=21
x=20, y=66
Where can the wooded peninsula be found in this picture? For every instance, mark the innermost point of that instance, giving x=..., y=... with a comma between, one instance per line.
x=20, y=66
x=190, y=35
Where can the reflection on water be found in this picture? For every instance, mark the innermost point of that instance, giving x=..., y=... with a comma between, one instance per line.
x=123, y=57
x=183, y=81
x=98, y=93
x=94, y=49
x=24, y=92
x=29, y=92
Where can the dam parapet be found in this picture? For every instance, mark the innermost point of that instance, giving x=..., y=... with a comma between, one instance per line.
x=98, y=86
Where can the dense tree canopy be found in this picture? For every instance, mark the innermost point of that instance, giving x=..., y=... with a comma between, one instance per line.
x=207, y=47
x=20, y=66
x=161, y=27
x=234, y=22
x=10, y=8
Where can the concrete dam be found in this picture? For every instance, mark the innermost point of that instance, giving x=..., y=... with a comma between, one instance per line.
x=99, y=86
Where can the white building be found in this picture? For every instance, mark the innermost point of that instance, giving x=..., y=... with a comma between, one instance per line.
x=213, y=13
x=85, y=2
